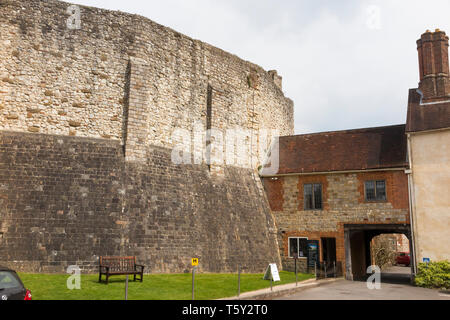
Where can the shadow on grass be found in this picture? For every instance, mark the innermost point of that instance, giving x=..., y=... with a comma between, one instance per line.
x=114, y=281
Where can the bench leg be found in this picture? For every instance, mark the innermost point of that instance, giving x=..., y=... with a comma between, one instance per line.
x=142, y=276
x=100, y=278
x=107, y=278
x=134, y=277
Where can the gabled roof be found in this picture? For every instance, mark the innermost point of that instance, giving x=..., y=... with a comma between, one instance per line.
x=432, y=116
x=360, y=149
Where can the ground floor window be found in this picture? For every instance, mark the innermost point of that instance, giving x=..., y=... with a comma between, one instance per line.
x=298, y=246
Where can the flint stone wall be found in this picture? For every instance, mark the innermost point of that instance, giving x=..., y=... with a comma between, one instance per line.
x=86, y=123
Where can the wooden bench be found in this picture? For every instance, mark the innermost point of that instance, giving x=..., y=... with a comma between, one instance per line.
x=114, y=266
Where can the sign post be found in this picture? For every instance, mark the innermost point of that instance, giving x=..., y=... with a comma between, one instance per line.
x=193, y=283
x=239, y=281
x=295, y=266
x=194, y=264
x=126, y=289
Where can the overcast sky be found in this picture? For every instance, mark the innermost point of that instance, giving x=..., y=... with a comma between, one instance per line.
x=346, y=64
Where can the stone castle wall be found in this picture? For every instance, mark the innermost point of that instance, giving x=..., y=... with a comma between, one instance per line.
x=87, y=118
x=124, y=77
x=68, y=200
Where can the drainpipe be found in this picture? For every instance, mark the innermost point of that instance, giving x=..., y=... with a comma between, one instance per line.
x=411, y=205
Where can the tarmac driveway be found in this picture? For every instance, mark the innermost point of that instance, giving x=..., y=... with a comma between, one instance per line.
x=394, y=286
x=354, y=290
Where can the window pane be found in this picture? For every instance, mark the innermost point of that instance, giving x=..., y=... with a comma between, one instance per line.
x=8, y=281
x=318, y=196
x=308, y=197
x=370, y=190
x=303, y=252
x=381, y=190
x=293, y=246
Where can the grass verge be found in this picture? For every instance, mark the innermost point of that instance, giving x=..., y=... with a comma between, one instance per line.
x=154, y=287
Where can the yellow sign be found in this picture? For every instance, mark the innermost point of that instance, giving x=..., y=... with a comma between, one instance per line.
x=195, y=262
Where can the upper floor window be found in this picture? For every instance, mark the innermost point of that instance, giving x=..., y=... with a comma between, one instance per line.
x=313, y=196
x=375, y=190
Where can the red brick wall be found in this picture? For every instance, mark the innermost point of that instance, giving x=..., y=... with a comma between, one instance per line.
x=317, y=235
x=302, y=180
x=344, y=203
x=275, y=191
x=396, y=187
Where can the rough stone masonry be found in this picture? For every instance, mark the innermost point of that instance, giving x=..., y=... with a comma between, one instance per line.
x=87, y=118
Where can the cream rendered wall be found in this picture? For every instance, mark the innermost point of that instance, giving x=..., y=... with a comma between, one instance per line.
x=430, y=162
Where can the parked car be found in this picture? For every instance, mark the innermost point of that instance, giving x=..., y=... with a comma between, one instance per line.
x=11, y=287
x=403, y=258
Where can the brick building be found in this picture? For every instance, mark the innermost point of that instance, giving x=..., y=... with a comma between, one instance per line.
x=337, y=191
x=428, y=131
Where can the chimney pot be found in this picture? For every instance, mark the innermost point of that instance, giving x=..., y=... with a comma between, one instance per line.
x=434, y=66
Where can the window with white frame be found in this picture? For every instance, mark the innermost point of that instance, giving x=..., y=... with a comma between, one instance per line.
x=299, y=246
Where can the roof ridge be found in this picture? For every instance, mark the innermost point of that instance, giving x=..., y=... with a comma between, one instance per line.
x=346, y=131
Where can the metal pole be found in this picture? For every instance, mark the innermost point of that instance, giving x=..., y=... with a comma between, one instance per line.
x=296, y=274
x=334, y=266
x=315, y=269
x=271, y=283
x=126, y=289
x=239, y=281
x=193, y=283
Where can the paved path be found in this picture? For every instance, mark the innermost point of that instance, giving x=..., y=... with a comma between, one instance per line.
x=398, y=270
x=354, y=290
x=397, y=274
x=281, y=290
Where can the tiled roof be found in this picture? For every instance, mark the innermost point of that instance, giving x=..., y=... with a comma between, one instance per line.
x=360, y=149
x=426, y=117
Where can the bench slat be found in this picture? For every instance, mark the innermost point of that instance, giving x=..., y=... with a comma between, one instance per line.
x=119, y=266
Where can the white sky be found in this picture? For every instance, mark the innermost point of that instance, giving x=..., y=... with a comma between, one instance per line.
x=343, y=65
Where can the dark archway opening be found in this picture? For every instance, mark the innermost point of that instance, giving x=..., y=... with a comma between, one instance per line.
x=359, y=245
x=391, y=253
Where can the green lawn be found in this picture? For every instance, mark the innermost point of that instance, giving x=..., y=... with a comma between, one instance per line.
x=154, y=287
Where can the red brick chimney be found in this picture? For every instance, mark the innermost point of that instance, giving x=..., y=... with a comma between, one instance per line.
x=433, y=64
